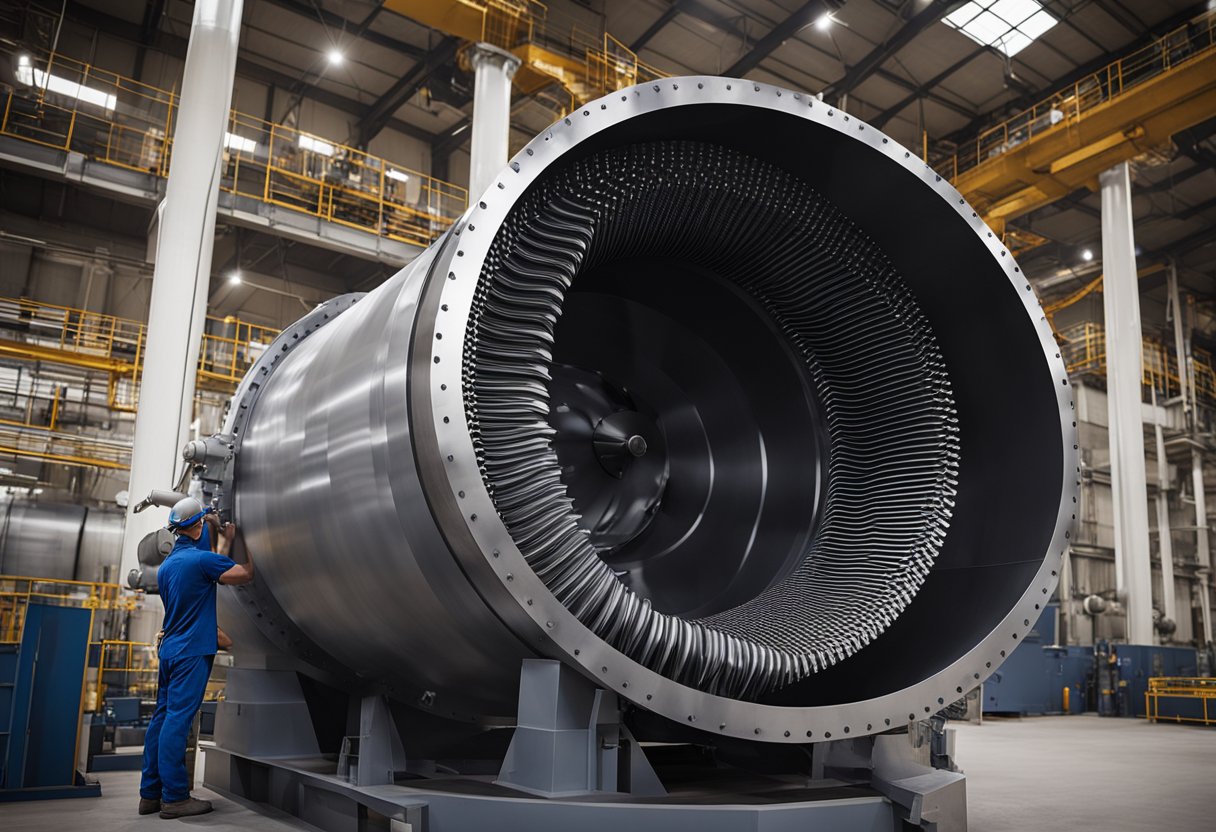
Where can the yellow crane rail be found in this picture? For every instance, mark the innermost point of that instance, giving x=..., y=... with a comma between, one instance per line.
x=1113, y=115
x=68, y=105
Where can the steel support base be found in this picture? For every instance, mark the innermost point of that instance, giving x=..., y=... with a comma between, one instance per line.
x=310, y=789
x=571, y=764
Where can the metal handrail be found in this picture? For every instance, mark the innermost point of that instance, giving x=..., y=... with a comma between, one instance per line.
x=122, y=122
x=229, y=348
x=17, y=591
x=1066, y=107
x=1083, y=347
x=1196, y=688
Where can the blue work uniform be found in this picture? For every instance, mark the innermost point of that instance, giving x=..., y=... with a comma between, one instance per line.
x=187, y=582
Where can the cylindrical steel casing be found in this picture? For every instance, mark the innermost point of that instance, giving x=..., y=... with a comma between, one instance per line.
x=381, y=552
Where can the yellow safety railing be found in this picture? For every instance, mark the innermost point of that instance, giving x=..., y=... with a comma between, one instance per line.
x=65, y=104
x=124, y=668
x=1069, y=105
x=230, y=347
x=1198, y=689
x=35, y=330
x=52, y=334
x=1083, y=348
x=506, y=23
x=17, y=592
x=31, y=441
x=283, y=166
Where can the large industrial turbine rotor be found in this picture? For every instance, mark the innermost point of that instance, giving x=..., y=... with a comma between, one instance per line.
x=718, y=395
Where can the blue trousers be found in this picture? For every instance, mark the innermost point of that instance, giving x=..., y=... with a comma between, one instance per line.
x=179, y=694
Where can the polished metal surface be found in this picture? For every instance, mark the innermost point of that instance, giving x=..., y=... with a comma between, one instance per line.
x=100, y=546
x=678, y=403
x=40, y=540
x=59, y=540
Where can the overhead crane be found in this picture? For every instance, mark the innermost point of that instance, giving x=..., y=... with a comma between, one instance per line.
x=1038, y=156
x=1133, y=105
x=582, y=65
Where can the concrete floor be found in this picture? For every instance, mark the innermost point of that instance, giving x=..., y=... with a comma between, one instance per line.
x=115, y=811
x=1049, y=773
x=1081, y=772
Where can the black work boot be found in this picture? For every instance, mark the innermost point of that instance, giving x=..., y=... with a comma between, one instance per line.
x=185, y=808
x=148, y=807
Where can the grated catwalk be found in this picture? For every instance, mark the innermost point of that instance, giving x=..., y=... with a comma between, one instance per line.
x=878, y=373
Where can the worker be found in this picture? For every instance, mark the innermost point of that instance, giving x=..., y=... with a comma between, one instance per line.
x=187, y=581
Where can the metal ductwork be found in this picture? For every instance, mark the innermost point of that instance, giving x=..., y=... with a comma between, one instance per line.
x=717, y=395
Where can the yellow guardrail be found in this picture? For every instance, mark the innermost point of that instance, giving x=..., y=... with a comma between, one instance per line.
x=1083, y=348
x=49, y=333
x=1195, y=688
x=66, y=104
x=1070, y=105
x=124, y=668
x=38, y=331
x=17, y=591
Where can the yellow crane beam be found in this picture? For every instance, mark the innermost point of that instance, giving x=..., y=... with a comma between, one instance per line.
x=1113, y=116
x=501, y=23
x=586, y=66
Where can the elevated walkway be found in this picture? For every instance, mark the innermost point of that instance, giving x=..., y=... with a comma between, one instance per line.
x=80, y=363
x=67, y=120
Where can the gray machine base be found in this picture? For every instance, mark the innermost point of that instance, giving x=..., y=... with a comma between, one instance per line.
x=311, y=790
x=572, y=765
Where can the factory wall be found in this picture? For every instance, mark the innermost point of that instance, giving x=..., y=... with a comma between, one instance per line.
x=1092, y=560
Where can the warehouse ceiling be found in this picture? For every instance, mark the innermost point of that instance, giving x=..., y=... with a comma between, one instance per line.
x=891, y=62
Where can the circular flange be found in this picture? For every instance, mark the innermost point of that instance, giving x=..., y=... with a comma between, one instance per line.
x=494, y=563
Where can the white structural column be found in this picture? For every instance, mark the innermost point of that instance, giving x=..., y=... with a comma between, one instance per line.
x=1203, y=555
x=180, y=281
x=493, y=69
x=1121, y=298
x=1165, y=544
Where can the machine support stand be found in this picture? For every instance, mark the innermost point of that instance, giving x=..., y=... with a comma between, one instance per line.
x=374, y=755
x=935, y=799
x=569, y=739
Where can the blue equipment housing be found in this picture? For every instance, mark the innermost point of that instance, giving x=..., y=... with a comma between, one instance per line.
x=41, y=685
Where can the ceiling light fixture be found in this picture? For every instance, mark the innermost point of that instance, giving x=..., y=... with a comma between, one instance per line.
x=335, y=57
x=824, y=22
x=234, y=277
x=1087, y=255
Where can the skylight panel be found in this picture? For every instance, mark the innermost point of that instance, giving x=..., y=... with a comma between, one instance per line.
x=963, y=15
x=1015, y=12
x=1009, y=25
x=1037, y=25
